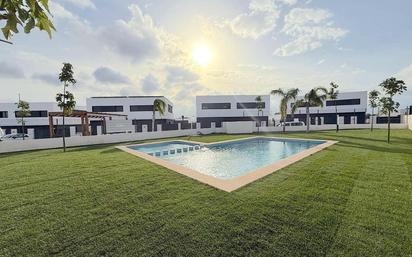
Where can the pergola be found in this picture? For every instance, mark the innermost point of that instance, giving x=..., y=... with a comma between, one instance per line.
x=84, y=116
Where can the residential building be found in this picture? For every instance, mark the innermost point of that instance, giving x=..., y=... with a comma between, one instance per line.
x=37, y=122
x=228, y=108
x=139, y=110
x=351, y=108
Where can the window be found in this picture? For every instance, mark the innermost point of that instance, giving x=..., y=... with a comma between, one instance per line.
x=215, y=106
x=33, y=114
x=4, y=114
x=250, y=105
x=170, y=108
x=303, y=105
x=114, y=108
x=141, y=108
x=343, y=102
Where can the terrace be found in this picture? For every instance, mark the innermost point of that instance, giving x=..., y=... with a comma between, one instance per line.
x=98, y=200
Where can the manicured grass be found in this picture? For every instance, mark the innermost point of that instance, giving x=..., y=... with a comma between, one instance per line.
x=352, y=199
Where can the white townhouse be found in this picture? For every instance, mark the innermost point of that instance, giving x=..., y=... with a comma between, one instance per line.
x=351, y=108
x=227, y=108
x=37, y=124
x=139, y=109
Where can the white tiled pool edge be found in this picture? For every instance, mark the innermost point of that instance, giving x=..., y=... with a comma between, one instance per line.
x=235, y=183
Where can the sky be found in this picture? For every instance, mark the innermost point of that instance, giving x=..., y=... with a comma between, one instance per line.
x=184, y=48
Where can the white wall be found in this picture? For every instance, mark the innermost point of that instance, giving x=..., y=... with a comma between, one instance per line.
x=410, y=122
x=233, y=111
x=127, y=101
x=240, y=127
x=48, y=143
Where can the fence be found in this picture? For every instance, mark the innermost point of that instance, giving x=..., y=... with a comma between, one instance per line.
x=227, y=127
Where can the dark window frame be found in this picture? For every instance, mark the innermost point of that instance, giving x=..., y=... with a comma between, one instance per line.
x=344, y=102
x=141, y=108
x=250, y=105
x=4, y=114
x=170, y=108
x=107, y=108
x=34, y=114
x=216, y=106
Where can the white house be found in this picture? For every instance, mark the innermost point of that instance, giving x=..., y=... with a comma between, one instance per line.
x=38, y=121
x=139, y=109
x=227, y=108
x=351, y=108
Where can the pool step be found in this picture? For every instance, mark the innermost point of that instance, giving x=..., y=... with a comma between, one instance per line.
x=176, y=151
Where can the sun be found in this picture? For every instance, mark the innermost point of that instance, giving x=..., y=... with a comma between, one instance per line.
x=202, y=55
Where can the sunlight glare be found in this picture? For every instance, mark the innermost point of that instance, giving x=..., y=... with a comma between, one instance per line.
x=202, y=55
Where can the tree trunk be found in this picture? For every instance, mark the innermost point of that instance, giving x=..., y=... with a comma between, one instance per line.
x=337, y=121
x=389, y=127
x=22, y=126
x=373, y=109
x=64, y=114
x=307, y=119
x=153, y=120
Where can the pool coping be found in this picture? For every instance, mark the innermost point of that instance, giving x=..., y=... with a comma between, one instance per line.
x=229, y=185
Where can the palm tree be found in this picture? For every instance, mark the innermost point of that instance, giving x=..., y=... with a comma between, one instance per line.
x=259, y=105
x=374, y=103
x=158, y=106
x=314, y=97
x=286, y=96
x=333, y=94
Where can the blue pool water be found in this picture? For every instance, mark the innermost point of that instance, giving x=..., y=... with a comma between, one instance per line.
x=231, y=159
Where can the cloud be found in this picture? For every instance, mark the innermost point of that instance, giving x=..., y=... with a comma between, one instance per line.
x=8, y=70
x=308, y=28
x=83, y=4
x=69, y=23
x=136, y=39
x=258, y=21
x=106, y=75
x=406, y=75
x=52, y=79
x=176, y=74
x=150, y=84
x=188, y=90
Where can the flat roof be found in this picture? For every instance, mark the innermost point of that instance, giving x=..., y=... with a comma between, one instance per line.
x=129, y=96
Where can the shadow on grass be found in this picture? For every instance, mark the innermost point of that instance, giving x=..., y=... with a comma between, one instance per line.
x=389, y=148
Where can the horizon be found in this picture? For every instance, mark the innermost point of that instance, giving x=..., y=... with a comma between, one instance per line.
x=252, y=47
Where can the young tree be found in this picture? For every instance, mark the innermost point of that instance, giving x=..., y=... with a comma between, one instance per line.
x=26, y=13
x=391, y=87
x=286, y=97
x=66, y=100
x=373, y=103
x=259, y=106
x=314, y=97
x=23, y=112
x=158, y=106
x=333, y=95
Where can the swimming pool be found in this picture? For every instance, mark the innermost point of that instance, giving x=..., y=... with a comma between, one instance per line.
x=228, y=161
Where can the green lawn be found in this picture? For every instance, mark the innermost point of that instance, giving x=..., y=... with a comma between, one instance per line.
x=352, y=199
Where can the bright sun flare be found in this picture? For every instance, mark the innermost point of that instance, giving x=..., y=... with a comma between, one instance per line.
x=202, y=55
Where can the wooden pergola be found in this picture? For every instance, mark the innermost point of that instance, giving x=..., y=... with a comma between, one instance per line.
x=84, y=116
